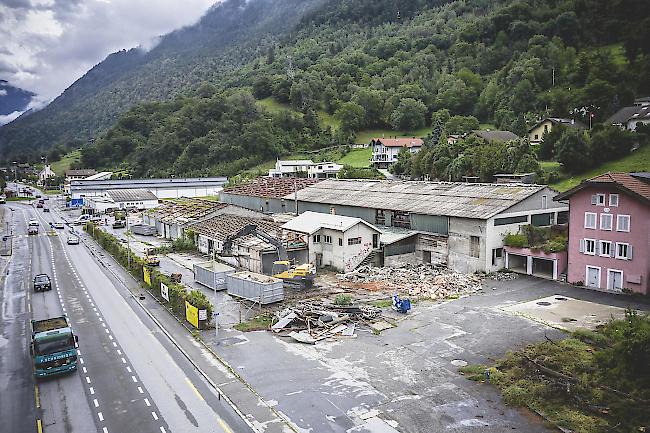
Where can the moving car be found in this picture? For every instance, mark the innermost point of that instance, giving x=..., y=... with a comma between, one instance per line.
x=39, y=205
x=46, y=209
x=119, y=224
x=42, y=282
x=82, y=219
x=58, y=225
x=73, y=240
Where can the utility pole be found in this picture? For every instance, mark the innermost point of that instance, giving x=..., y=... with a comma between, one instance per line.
x=295, y=194
x=128, y=241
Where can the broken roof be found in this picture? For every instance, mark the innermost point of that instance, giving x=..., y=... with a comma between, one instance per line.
x=136, y=194
x=270, y=187
x=399, y=142
x=310, y=222
x=185, y=210
x=464, y=200
x=631, y=184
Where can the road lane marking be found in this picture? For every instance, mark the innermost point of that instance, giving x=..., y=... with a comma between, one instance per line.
x=81, y=360
x=123, y=360
x=224, y=426
x=196, y=391
x=100, y=416
x=84, y=370
x=162, y=429
x=134, y=379
x=119, y=352
x=95, y=402
x=153, y=414
x=146, y=401
x=37, y=397
x=87, y=379
x=92, y=390
x=104, y=430
x=39, y=426
x=128, y=369
x=140, y=390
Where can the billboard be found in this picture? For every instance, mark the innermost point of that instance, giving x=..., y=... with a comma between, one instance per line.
x=164, y=291
x=192, y=314
x=77, y=202
x=146, y=275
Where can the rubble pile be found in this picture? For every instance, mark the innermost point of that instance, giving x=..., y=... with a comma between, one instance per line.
x=503, y=276
x=310, y=322
x=426, y=281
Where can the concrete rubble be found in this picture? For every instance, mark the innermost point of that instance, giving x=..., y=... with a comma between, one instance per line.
x=310, y=322
x=426, y=281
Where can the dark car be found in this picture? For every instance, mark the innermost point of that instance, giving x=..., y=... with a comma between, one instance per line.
x=46, y=209
x=42, y=282
x=39, y=204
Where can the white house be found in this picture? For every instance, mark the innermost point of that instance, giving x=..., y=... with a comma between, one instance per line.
x=385, y=150
x=340, y=242
x=631, y=117
x=291, y=168
x=139, y=198
x=323, y=170
x=45, y=174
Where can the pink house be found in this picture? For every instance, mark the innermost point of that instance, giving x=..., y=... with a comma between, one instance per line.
x=609, y=232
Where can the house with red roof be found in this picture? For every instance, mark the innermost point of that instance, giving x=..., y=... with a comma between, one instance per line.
x=609, y=232
x=385, y=150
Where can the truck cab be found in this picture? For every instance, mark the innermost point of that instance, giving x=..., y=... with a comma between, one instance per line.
x=53, y=347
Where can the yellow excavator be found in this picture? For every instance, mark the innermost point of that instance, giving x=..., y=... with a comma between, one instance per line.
x=300, y=276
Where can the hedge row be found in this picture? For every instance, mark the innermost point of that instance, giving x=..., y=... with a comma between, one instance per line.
x=178, y=294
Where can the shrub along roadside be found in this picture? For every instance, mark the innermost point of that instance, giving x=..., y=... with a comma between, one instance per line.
x=178, y=294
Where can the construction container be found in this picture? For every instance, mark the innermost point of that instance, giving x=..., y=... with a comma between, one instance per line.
x=258, y=288
x=212, y=274
x=142, y=229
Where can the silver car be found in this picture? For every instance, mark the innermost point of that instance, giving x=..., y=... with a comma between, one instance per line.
x=73, y=240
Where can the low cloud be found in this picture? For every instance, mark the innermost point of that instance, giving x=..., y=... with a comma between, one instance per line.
x=48, y=44
x=6, y=118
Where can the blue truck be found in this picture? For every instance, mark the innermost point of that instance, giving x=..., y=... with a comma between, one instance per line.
x=53, y=347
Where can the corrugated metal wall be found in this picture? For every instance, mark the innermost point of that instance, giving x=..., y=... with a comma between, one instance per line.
x=430, y=223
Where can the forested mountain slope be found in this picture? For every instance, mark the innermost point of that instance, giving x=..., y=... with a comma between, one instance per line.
x=380, y=63
x=229, y=35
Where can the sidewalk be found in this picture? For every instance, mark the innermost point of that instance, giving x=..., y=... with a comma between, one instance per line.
x=259, y=413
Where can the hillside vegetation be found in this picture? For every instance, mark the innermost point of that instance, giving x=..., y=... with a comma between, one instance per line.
x=380, y=65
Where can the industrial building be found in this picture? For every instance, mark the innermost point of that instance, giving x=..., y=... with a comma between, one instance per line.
x=161, y=188
x=172, y=217
x=267, y=194
x=249, y=251
x=461, y=225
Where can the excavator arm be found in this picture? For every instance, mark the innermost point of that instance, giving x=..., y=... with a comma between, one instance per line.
x=251, y=229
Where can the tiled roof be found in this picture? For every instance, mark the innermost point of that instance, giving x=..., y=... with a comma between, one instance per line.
x=270, y=187
x=626, y=114
x=624, y=181
x=399, y=142
x=501, y=136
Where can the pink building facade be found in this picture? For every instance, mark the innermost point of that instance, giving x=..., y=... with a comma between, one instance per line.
x=609, y=232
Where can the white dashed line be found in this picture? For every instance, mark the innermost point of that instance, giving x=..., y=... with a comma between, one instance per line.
x=111, y=337
x=92, y=390
x=134, y=379
x=104, y=430
x=140, y=390
x=107, y=331
x=81, y=360
x=123, y=360
x=128, y=369
x=84, y=369
x=95, y=402
x=87, y=379
x=162, y=429
x=153, y=414
x=100, y=416
x=119, y=352
x=146, y=401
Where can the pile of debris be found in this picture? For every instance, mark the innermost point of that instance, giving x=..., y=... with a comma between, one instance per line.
x=310, y=322
x=426, y=281
x=503, y=276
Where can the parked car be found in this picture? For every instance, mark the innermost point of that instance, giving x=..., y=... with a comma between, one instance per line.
x=46, y=209
x=119, y=224
x=73, y=240
x=32, y=230
x=58, y=225
x=81, y=220
x=42, y=282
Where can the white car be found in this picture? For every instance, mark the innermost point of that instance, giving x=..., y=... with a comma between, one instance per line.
x=33, y=223
x=58, y=225
x=81, y=220
x=73, y=240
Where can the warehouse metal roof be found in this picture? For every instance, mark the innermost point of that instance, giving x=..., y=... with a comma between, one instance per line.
x=199, y=182
x=310, y=222
x=136, y=194
x=464, y=200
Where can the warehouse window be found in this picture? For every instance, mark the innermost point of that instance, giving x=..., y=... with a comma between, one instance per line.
x=327, y=239
x=511, y=220
x=340, y=242
x=380, y=217
x=401, y=219
x=474, y=246
x=354, y=241
x=316, y=239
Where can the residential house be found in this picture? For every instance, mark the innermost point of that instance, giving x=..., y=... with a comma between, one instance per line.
x=76, y=174
x=537, y=131
x=495, y=135
x=339, y=242
x=609, y=232
x=324, y=170
x=291, y=168
x=266, y=194
x=632, y=116
x=385, y=150
x=458, y=224
x=44, y=174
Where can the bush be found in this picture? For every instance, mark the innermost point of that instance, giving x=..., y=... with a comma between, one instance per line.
x=516, y=240
x=343, y=300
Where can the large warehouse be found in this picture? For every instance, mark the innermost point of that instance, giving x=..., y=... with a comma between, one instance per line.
x=161, y=188
x=458, y=224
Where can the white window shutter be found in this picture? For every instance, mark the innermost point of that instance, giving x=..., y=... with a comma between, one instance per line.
x=594, y=199
x=582, y=245
x=629, y=252
x=597, y=248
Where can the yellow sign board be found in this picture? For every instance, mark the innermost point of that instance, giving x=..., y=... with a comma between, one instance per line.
x=146, y=274
x=192, y=314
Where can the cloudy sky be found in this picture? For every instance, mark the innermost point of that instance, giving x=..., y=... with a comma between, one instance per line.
x=45, y=45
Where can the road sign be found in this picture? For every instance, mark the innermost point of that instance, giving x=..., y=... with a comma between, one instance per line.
x=164, y=291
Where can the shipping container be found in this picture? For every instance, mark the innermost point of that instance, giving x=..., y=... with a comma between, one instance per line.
x=142, y=229
x=212, y=274
x=258, y=288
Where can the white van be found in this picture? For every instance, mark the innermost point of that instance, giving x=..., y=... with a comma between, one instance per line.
x=82, y=219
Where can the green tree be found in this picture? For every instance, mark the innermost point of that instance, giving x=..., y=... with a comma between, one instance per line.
x=611, y=142
x=461, y=124
x=573, y=152
x=408, y=115
x=351, y=116
x=549, y=140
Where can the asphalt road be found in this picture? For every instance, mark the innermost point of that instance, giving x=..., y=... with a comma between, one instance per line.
x=131, y=377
